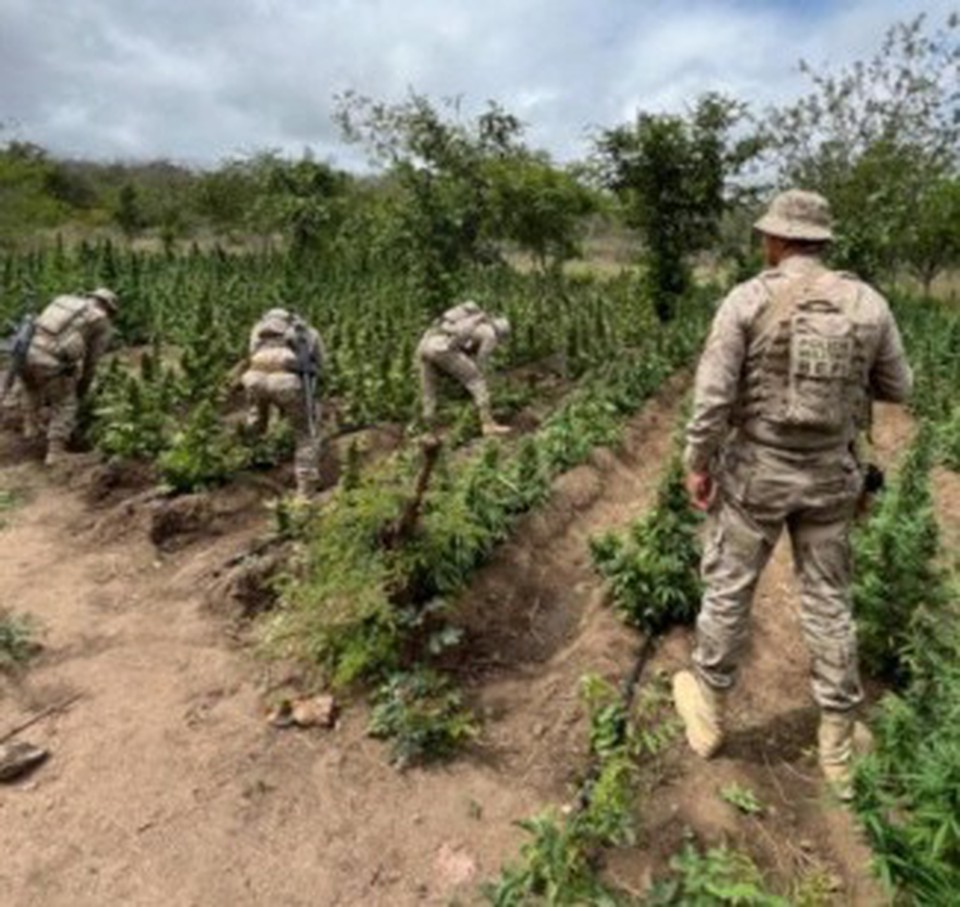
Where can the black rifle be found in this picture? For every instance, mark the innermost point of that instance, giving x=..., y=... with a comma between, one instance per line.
x=18, y=347
x=308, y=368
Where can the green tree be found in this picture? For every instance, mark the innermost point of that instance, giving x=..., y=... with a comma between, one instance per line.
x=874, y=137
x=129, y=213
x=305, y=200
x=539, y=207
x=459, y=188
x=673, y=175
x=931, y=243
x=442, y=221
x=225, y=196
x=25, y=201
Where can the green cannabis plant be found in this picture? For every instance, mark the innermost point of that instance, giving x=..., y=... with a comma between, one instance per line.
x=653, y=570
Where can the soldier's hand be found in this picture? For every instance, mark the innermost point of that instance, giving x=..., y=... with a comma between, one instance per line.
x=701, y=488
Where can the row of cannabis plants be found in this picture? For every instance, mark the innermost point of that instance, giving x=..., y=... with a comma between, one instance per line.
x=370, y=319
x=370, y=604
x=652, y=572
x=907, y=604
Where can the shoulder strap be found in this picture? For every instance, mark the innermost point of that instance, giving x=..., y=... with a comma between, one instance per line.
x=784, y=300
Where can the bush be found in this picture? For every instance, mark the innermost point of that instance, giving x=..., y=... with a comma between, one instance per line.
x=17, y=639
x=949, y=441
x=896, y=573
x=653, y=571
x=202, y=455
x=908, y=787
x=718, y=877
x=423, y=716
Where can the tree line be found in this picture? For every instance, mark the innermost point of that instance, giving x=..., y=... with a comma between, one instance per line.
x=878, y=137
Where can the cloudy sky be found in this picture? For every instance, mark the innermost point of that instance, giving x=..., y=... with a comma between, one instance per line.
x=202, y=80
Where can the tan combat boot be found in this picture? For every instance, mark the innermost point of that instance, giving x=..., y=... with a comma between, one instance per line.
x=31, y=430
x=835, y=738
x=490, y=427
x=701, y=708
x=56, y=454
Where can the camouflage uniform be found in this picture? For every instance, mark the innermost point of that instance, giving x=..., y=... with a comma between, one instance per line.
x=459, y=344
x=271, y=380
x=71, y=335
x=793, y=359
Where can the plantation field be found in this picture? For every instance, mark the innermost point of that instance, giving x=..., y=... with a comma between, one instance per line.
x=476, y=659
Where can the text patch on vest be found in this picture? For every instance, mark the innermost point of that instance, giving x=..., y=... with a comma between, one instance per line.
x=822, y=351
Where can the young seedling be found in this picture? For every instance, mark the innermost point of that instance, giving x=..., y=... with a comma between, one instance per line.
x=742, y=798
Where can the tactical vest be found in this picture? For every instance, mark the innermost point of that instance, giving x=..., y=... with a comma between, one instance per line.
x=460, y=324
x=807, y=366
x=274, y=347
x=59, y=329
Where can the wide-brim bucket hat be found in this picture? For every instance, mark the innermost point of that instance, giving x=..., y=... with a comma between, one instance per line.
x=798, y=214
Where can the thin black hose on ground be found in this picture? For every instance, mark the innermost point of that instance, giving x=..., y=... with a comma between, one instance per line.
x=628, y=690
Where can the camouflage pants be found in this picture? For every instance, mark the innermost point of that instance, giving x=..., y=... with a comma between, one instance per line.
x=289, y=401
x=761, y=491
x=57, y=391
x=434, y=362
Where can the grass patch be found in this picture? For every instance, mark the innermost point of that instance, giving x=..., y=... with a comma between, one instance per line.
x=18, y=639
x=741, y=798
x=10, y=500
x=423, y=716
x=713, y=878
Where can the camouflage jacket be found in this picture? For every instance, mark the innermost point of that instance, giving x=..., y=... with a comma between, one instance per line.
x=733, y=361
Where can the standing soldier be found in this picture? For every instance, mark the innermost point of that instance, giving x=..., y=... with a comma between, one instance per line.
x=458, y=344
x=69, y=337
x=793, y=359
x=286, y=356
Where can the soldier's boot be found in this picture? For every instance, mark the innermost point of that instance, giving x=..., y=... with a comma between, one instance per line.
x=835, y=738
x=489, y=426
x=701, y=708
x=56, y=454
x=31, y=427
x=308, y=481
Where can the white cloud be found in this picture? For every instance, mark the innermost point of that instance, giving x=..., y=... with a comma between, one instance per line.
x=199, y=81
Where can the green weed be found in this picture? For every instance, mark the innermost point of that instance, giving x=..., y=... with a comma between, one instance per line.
x=715, y=878
x=555, y=868
x=908, y=786
x=10, y=499
x=423, y=716
x=204, y=454
x=896, y=573
x=653, y=570
x=18, y=639
x=742, y=798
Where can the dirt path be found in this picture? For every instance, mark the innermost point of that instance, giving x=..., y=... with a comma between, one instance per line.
x=166, y=785
x=802, y=833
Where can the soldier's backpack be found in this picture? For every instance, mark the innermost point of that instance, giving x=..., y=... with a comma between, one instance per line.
x=461, y=322
x=57, y=329
x=813, y=356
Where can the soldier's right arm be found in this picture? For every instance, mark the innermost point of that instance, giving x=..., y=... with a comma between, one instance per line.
x=717, y=382
x=97, y=341
x=891, y=378
x=485, y=341
x=254, y=344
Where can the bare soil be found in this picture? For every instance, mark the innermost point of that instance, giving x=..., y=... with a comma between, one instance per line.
x=166, y=784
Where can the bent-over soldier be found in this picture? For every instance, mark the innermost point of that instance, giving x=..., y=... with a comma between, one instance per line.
x=785, y=382
x=286, y=356
x=458, y=344
x=70, y=336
